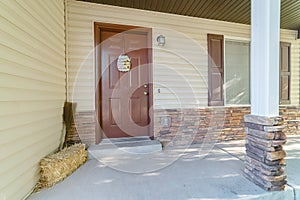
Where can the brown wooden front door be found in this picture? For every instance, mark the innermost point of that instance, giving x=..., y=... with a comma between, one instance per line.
x=124, y=97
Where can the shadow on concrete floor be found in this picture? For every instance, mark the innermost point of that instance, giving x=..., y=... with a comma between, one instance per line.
x=180, y=174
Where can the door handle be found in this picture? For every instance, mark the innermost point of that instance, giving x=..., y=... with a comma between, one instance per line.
x=145, y=93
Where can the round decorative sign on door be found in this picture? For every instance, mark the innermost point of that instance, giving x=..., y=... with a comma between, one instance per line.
x=123, y=63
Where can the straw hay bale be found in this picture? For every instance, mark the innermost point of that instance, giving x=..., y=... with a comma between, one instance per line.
x=58, y=166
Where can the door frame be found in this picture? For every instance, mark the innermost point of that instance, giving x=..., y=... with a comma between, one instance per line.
x=98, y=85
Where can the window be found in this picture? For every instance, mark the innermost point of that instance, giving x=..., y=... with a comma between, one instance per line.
x=285, y=73
x=237, y=72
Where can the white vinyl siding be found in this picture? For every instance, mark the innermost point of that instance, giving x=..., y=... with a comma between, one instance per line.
x=179, y=68
x=290, y=37
x=296, y=75
x=295, y=72
x=32, y=88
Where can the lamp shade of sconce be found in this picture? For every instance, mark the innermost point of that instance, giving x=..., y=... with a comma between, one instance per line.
x=161, y=40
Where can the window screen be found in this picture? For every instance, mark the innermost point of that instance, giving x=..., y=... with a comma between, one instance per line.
x=237, y=72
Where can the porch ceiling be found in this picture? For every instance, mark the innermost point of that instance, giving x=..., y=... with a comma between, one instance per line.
x=226, y=10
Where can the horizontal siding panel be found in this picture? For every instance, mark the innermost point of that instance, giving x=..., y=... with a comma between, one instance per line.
x=30, y=40
x=76, y=63
x=21, y=59
x=78, y=99
x=86, y=58
x=11, y=121
x=184, y=70
x=29, y=24
x=80, y=68
x=84, y=83
x=25, y=143
x=36, y=12
x=16, y=107
x=81, y=52
x=22, y=182
x=183, y=102
x=175, y=83
x=28, y=50
x=11, y=81
x=47, y=10
x=32, y=87
x=25, y=156
x=78, y=96
x=85, y=104
x=78, y=44
x=16, y=94
x=81, y=37
x=27, y=129
x=167, y=54
x=192, y=60
x=84, y=42
x=80, y=80
x=80, y=88
x=78, y=30
x=30, y=74
x=28, y=156
x=182, y=91
x=171, y=104
x=295, y=72
x=170, y=67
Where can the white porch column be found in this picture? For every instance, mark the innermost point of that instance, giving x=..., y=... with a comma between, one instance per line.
x=264, y=152
x=265, y=40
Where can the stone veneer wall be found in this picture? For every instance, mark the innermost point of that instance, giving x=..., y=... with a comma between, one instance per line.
x=264, y=160
x=85, y=125
x=227, y=123
x=181, y=125
x=291, y=116
x=177, y=125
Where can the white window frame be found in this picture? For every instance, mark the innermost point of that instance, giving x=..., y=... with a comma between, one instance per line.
x=233, y=39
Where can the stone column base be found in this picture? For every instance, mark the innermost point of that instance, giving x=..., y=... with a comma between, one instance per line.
x=264, y=153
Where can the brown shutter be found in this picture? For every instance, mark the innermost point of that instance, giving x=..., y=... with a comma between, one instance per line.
x=215, y=69
x=285, y=73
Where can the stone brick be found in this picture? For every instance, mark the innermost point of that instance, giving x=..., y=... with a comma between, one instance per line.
x=264, y=152
x=261, y=120
x=275, y=155
x=254, y=126
x=273, y=128
x=260, y=134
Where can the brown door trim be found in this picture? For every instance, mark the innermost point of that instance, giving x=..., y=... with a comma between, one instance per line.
x=97, y=40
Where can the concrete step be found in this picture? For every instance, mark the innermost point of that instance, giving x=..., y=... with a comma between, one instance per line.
x=122, y=146
x=125, y=139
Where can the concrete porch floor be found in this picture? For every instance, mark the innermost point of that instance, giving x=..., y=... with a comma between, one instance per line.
x=178, y=174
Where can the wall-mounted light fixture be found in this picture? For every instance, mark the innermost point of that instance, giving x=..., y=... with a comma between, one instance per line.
x=161, y=40
x=298, y=33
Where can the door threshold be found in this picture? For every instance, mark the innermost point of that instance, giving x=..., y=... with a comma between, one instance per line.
x=125, y=139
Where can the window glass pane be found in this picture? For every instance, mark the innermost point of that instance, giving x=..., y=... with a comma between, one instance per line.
x=237, y=72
